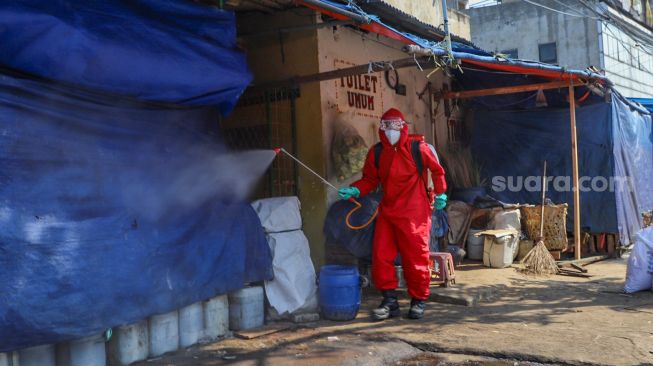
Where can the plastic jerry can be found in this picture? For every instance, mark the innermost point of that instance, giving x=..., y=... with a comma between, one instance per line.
x=130, y=343
x=9, y=359
x=216, y=317
x=246, y=308
x=164, y=333
x=89, y=351
x=37, y=356
x=191, y=324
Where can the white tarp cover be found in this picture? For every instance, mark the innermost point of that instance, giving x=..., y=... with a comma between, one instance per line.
x=279, y=214
x=633, y=166
x=293, y=289
x=639, y=276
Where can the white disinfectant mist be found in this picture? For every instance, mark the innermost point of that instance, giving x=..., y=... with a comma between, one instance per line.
x=197, y=178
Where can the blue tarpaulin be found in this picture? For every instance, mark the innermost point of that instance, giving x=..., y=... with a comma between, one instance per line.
x=615, y=151
x=101, y=106
x=171, y=51
x=511, y=146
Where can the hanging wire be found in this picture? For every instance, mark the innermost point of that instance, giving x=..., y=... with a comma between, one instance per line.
x=556, y=10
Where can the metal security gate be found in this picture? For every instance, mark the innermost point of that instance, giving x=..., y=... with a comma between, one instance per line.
x=265, y=120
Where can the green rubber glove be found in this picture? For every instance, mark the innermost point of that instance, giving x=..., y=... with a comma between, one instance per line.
x=348, y=192
x=440, y=201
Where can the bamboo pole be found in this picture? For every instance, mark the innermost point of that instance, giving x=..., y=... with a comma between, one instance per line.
x=556, y=84
x=574, y=161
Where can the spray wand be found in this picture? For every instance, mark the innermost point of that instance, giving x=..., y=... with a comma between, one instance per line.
x=279, y=150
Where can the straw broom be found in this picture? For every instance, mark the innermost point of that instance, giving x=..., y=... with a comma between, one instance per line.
x=539, y=261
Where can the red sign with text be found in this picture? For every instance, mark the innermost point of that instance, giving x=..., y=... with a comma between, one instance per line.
x=360, y=94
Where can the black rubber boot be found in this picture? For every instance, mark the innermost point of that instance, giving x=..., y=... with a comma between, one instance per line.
x=389, y=307
x=416, y=309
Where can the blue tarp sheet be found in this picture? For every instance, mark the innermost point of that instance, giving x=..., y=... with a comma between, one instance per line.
x=172, y=51
x=512, y=145
x=633, y=156
x=645, y=102
x=92, y=235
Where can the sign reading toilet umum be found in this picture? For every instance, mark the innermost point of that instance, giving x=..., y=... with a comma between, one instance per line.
x=361, y=94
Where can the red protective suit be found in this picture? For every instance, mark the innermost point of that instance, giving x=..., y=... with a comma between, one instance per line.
x=404, y=219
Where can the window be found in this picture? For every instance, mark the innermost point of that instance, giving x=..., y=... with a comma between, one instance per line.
x=511, y=53
x=548, y=53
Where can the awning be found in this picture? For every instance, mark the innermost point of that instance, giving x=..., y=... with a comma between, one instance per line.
x=466, y=53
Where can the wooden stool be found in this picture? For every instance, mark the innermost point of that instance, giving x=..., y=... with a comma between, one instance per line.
x=442, y=269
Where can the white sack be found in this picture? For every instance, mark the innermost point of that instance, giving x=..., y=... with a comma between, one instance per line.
x=639, y=276
x=293, y=288
x=279, y=214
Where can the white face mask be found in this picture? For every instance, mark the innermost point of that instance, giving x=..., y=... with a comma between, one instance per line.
x=393, y=136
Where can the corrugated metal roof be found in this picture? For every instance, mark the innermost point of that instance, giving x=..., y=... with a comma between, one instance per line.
x=400, y=19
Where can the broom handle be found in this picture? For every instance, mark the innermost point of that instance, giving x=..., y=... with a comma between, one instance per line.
x=543, y=198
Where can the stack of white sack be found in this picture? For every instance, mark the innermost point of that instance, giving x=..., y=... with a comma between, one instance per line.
x=639, y=276
x=293, y=290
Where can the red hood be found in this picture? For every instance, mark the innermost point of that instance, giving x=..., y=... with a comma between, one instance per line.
x=402, y=140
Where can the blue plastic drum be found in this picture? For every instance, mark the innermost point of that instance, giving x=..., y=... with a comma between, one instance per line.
x=339, y=292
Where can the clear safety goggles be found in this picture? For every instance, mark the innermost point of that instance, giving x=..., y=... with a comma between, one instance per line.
x=392, y=124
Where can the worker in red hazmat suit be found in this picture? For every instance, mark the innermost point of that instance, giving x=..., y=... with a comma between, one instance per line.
x=404, y=219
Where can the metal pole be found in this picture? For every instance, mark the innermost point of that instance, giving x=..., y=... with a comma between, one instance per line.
x=574, y=161
x=447, y=35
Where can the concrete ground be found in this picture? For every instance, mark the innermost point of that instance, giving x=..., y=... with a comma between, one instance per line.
x=514, y=320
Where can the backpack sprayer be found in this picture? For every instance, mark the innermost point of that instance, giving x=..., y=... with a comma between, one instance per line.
x=352, y=200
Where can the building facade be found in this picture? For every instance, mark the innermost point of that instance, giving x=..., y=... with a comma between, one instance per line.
x=613, y=36
x=297, y=41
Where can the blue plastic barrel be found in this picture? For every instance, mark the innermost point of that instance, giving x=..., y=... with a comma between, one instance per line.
x=339, y=292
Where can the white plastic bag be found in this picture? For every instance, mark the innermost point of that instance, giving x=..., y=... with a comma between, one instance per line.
x=639, y=276
x=279, y=214
x=293, y=288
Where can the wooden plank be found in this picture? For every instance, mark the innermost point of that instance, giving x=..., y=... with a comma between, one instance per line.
x=425, y=63
x=566, y=272
x=507, y=90
x=574, y=163
x=584, y=261
x=260, y=332
x=580, y=268
x=556, y=254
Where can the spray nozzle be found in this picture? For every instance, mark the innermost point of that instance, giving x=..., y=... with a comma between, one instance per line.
x=277, y=150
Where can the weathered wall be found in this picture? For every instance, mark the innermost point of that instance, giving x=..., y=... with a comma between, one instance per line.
x=459, y=24
x=346, y=47
x=626, y=65
x=430, y=12
x=524, y=26
x=300, y=52
x=427, y=11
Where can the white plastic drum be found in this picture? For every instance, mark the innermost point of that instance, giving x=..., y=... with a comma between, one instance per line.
x=216, y=317
x=164, y=333
x=191, y=324
x=130, y=343
x=37, y=356
x=9, y=359
x=246, y=308
x=88, y=351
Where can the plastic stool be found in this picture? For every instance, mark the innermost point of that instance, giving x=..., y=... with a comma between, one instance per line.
x=442, y=269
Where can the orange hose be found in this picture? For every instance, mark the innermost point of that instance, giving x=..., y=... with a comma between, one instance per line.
x=358, y=206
